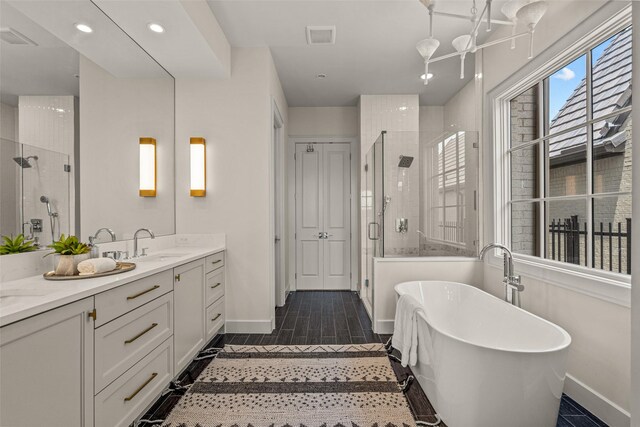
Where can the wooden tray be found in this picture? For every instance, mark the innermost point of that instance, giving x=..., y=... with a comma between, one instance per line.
x=121, y=267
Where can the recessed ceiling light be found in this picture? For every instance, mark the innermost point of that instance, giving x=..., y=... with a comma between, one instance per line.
x=84, y=28
x=430, y=76
x=321, y=76
x=156, y=28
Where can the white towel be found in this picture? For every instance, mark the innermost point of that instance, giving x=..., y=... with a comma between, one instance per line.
x=405, y=329
x=96, y=265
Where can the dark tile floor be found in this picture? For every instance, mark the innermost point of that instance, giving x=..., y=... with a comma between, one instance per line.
x=316, y=317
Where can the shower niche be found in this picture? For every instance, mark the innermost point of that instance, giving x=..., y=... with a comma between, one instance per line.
x=35, y=192
x=420, y=195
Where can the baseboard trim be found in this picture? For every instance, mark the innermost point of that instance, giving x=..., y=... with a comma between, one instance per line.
x=248, y=327
x=384, y=327
x=596, y=403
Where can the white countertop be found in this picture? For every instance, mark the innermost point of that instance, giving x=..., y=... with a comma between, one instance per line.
x=53, y=294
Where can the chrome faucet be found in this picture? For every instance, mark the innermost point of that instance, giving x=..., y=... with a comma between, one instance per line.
x=135, y=240
x=512, y=285
x=108, y=230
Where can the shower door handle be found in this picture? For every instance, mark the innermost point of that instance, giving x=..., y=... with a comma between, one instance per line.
x=370, y=235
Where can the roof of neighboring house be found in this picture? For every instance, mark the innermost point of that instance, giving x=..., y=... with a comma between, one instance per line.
x=611, y=91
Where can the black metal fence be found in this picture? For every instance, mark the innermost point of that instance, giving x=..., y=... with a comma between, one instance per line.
x=611, y=244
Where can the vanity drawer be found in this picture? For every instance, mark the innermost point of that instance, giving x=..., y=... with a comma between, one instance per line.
x=214, y=261
x=120, y=300
x=214, y=286
x=214, y=318
x=122, y=343
x=123, y=400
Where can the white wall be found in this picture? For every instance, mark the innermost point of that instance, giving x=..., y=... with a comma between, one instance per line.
x=460, y=110
x=635, y=267
x=599, y=360
x=323, y=121
x=234, y=116
x=8, y=122
x=431, y=120
x=114, y=114
x=9, y=171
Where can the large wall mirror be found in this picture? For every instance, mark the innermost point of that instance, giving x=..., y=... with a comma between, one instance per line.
x=76, y=95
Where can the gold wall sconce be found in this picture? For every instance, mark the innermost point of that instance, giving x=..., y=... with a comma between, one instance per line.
x=148, y=166
x=198, y=186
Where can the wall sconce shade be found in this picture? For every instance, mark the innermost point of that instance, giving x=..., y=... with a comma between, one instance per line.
x=198, y=167
x=148, y=166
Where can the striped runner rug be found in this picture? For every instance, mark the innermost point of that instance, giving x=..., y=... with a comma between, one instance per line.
x=295, y=386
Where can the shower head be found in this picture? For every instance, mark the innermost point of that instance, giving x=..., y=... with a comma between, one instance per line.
x=405, y=161
x=23, y=162
x=45, y=200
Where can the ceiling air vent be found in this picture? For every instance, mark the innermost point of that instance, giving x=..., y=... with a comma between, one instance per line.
x=11, y=36
x=321, y=34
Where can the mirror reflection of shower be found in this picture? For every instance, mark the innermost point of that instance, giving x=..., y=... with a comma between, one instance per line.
x=23, y=162
x=53, y=216
x=402, y=222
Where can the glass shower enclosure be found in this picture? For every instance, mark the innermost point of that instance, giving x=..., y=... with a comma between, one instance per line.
x=420, y=196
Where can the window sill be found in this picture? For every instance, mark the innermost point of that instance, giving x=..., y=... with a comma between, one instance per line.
x=611, y=287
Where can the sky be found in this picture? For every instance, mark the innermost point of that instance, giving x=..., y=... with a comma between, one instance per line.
x=563, y=82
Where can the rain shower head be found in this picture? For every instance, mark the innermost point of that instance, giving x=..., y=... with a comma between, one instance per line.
x=405, y=161
x=23, y=162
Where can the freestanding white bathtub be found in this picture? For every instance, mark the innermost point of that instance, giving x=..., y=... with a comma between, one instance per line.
x=485, y=363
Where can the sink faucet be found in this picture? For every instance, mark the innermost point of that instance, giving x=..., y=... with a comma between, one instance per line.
x=512, y=285
x=108, y=230
x=135, y=239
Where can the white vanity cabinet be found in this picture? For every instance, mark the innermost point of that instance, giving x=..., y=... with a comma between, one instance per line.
x=46, y=368
x=103, y=360
x=214, y=294
x=188, y=314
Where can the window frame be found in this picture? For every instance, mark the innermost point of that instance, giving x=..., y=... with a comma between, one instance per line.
x=611, y=286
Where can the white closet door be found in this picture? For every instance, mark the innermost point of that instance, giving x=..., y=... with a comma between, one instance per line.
x=309, y=195
x=337, y=216
x=323, y=216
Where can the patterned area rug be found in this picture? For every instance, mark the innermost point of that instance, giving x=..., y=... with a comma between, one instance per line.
x=295, y=386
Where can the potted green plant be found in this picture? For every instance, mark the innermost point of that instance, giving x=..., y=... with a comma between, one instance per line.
x=16, y=245
x=70, y=253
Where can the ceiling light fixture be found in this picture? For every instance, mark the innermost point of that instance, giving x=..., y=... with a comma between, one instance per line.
x=84, y=28
x=527, y=12
x=430, y=76
x=156, y=28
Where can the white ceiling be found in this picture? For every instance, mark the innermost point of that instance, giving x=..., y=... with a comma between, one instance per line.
x=181, y=49
x=374, y=51
x=46, y=69
x=49, y=67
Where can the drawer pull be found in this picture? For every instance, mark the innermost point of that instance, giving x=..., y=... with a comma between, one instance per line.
x=216, y=285
x=130, y=340
x=216, y=318
x=216, y=262
x=139, y=389
x=139, y=294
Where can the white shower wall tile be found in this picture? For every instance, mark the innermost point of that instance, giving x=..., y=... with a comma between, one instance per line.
x=47, y=130
x=399, y=115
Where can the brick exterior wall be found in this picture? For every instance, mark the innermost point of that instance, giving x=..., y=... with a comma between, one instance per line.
x=611, y=174
x=524, y=128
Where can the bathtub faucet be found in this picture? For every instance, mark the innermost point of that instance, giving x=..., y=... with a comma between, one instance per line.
x=512, y=285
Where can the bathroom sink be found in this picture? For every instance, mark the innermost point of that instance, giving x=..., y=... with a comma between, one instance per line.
x=159, y=257
x=14, y=296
